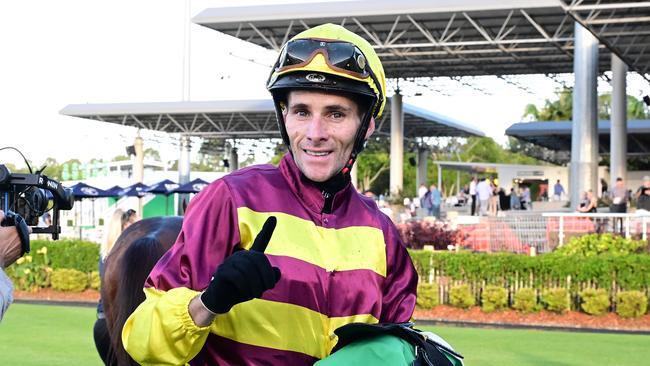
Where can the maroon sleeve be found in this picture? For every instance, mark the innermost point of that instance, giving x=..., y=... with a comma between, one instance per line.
x=401, y=282
x=209, y=234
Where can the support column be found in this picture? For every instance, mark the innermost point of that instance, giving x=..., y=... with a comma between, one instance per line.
x=584, y=135
x=183, y=170
x=618, y=136
x=421, y=172
x=138, y=167
x=396, y=144
x=234, y=159
x=354, y=177
x=440, y=178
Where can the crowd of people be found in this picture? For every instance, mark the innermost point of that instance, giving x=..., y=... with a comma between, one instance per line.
x=619, y=197
x=487, y=197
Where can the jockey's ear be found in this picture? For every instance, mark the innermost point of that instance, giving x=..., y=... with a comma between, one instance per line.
x=371, y=128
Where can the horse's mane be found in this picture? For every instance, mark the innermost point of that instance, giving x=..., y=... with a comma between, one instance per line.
x=127, y=267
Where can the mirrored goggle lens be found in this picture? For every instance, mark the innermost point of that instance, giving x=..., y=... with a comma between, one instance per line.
x=343, y=55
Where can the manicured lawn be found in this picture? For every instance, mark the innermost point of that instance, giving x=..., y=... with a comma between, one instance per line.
x=500, y=347
x=48, y=335
x=55, y=335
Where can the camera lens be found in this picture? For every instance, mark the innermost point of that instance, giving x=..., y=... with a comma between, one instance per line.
x=67, y=200
x=37, y=199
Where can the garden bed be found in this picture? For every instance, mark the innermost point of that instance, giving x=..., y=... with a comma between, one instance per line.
x=570, y=319
x=48, y=294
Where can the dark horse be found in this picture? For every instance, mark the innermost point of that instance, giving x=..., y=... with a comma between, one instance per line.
x=127, y=267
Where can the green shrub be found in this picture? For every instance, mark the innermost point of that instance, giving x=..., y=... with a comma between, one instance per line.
x=594, y=301
x=69, y=280
x=427, y=296
x=630, y=272
x=494, y=298
x=461, y=297
x=556, y=300
x=31, y=271
x=525, y=300
x=72, y=254
x=597, y=244
x=94, y=281
x=631, y=304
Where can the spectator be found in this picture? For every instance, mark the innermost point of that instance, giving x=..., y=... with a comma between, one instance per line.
x=526, y=200
x=427, y=204
x=589, y=202
x=472, y=194
x=422, y=191
x=504, y=200
x=493, y=202
x=643, y=196
x=515, y=203
x=603, y=187
x=619, y=198
x=483, y=192
x=436, y=201
x=558, y=191
x=128, y=218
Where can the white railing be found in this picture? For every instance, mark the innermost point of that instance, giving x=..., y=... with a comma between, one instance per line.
x=523, y=231
x=630, y=224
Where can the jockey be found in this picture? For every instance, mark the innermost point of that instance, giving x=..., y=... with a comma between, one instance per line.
x=272, y=260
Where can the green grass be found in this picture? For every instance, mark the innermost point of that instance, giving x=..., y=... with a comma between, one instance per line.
x=500, y=347
x=56, y=335
x=48, y=335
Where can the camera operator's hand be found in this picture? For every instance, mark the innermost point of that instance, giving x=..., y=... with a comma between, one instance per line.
x=243, y=276
x=10, y=246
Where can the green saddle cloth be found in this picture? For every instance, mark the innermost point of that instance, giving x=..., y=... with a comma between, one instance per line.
x=380, y=350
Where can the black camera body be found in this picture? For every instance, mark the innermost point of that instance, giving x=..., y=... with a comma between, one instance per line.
x=25, y=198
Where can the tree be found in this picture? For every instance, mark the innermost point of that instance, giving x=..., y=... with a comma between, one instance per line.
x=121, y=158
x=52, y=168
x=636, y=109
x=561, y=109
x=557, y=110
x=152, y=154
x=372, y=164
x=538, y=152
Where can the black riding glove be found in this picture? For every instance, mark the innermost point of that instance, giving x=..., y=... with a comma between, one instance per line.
x=243, y=276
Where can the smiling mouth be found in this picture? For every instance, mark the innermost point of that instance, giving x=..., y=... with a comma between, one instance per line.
x=316, y=153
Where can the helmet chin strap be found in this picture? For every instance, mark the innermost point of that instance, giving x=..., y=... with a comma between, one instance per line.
x=359, y=142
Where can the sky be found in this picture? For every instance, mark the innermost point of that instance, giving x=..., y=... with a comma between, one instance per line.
x=56, y=53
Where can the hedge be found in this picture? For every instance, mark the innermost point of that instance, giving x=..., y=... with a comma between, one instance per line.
x=69, y=280
x=627, y=272
x=71, y=254
x=515, y=273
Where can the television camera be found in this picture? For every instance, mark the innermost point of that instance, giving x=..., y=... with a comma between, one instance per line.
x=26, y=197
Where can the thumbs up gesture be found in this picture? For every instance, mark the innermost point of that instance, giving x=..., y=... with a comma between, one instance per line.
x=243, y=276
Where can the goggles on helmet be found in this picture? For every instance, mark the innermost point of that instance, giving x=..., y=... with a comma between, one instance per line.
x=341, y=56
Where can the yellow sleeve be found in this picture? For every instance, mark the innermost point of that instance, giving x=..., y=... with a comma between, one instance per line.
x=161, y=332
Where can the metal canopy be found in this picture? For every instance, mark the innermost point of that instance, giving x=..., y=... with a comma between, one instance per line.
x=423, y=38
x=245, y=119
x=557, y=135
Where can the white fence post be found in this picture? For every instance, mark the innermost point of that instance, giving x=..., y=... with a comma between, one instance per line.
x=561, y=233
